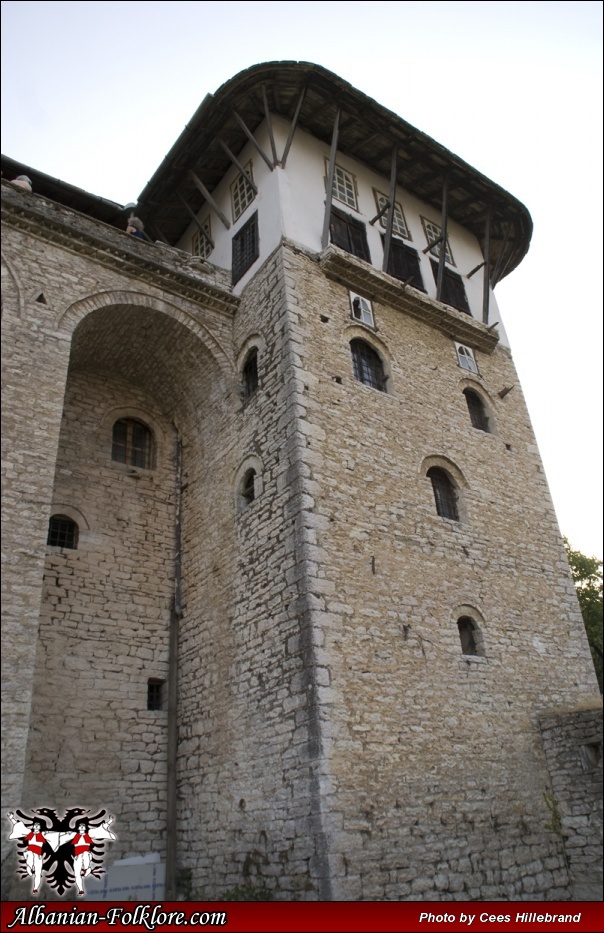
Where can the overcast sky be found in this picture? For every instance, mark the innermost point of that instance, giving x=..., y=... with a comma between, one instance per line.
x=95, y=93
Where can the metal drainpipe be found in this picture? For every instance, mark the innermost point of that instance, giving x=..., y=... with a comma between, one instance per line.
x=175, y=617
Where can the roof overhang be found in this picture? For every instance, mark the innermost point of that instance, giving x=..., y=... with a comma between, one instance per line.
x=367, y=132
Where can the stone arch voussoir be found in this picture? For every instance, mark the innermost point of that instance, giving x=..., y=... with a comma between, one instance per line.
x=76, y=312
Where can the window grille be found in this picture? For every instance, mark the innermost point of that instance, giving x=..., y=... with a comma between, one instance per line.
x=132, y=443
x=445, y=495
x=367, y=365
x=246, y=247
x=242, y=194
x=478, y=415
x=62, y=532
x=344, y=187
x=155, y=695
x=453, y=289
x=349, y=234
x=399, y=224
x=250, y=374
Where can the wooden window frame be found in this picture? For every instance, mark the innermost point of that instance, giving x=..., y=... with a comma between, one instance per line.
x=399, y=218
x=242, y=194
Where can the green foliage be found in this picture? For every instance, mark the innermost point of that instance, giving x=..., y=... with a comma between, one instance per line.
x=587, y=576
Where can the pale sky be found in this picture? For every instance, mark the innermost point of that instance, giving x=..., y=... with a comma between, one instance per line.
x=96, y=93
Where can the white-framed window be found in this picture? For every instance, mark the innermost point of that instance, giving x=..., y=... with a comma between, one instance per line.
x=242, y=194
x=465, y=358
x=202, y=246
x=433, y=233
x=361, y=309
x=345, y=187
x=399, y=224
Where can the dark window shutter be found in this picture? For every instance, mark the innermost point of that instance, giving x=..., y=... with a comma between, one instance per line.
x=349, y=234
x=454, y=292
x=403, y=264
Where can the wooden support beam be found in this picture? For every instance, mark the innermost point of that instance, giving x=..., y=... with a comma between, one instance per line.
x=497, y=270
x=250, y=136
x=269, y=124
x=199, y=226
x=443, y=232
x=292, y=128
x=380, y=213
x=330, y=176
x=391, y=200
x=486, y=285
x=160, y=235
x=201, y=187
x=432, y=244
x=475, y=269
x=238, y=165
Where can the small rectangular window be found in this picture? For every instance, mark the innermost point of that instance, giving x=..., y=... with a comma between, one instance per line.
x=246, y=247
x=399, y=224
x=242, y=193
x=345, y=187
x=433, y=233
x=155, y=694
x=202, y=245
x=465, y=358
x=361, y=309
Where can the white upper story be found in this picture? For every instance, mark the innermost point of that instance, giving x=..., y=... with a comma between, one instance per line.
x=290, y=202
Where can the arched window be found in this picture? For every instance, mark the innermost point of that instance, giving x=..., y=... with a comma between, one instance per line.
x=469, y=636
x=248, y=490
x=445, y=494
x=368, y=366
x=250, y=373
x=62, y=532
x=478, y=412
x=132, y=443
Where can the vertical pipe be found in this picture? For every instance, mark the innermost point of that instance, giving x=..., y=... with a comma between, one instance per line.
x=175, y=617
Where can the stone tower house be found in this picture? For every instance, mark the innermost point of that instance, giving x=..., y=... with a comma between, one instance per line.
x=284, y=587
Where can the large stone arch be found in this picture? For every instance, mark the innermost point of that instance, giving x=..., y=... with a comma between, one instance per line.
x=135, y=355
x=68, y=320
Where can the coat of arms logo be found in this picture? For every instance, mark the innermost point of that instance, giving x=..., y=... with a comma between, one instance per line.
x=60, y=850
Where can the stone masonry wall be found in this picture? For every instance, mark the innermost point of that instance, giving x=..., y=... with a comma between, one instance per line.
x=436, y=771
x=104, y=623
x=133, y=350
x=333, y=741
x=244, y=664
x=573, y=748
